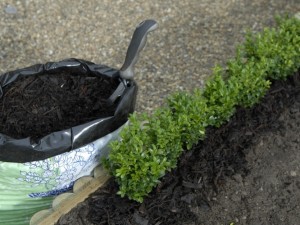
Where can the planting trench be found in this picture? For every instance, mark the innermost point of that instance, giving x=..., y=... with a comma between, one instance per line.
x=245, y=172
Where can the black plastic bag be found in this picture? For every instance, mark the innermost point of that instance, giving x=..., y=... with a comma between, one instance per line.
x=27, y=149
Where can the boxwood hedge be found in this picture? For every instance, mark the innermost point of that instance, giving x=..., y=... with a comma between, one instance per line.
x=151, y=144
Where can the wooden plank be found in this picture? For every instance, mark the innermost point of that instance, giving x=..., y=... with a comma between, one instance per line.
x=66, y=202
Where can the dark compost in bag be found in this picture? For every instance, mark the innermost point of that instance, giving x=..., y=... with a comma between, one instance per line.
x=56, y=122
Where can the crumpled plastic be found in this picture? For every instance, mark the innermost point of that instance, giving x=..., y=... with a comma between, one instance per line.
x=28, y=150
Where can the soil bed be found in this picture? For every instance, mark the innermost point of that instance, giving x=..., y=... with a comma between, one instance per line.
x=246, y=172
x=38, y=105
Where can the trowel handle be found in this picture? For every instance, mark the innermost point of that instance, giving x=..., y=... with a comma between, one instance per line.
x=137, y=43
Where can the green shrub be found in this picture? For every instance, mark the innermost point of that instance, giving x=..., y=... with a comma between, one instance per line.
x=278, y=49
x=151, y=144
x=148, y=149
x=247, y=82
x=190, y=112
x=221, y=99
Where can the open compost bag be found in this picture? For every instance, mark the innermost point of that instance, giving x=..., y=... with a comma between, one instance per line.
x=35, y=169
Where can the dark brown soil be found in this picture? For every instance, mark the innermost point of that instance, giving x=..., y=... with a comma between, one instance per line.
x=246, y=172
x=35, y=106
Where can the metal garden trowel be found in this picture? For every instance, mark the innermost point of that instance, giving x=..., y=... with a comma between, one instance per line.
x=138, y=41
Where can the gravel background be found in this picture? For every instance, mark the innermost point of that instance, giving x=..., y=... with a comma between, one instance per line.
x=193, y=36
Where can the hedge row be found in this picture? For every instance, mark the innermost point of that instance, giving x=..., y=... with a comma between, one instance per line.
x=151, y=144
